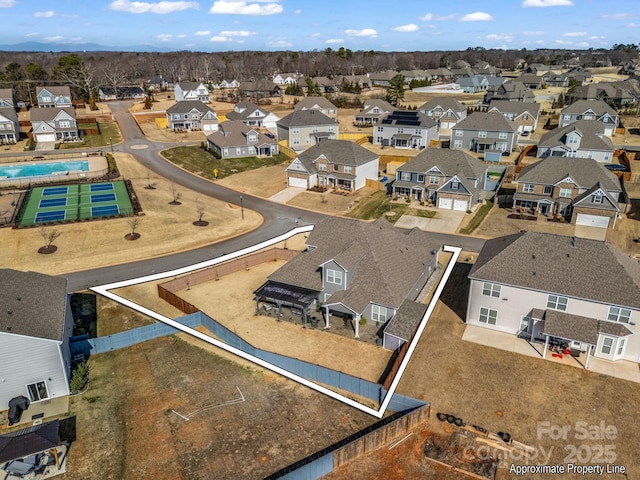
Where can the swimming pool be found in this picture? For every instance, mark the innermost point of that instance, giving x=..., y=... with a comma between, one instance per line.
x=41, y=169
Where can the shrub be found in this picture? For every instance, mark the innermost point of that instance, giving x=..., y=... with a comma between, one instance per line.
x=79, y=377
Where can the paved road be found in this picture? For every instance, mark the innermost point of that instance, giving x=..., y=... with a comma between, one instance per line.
x=278, y=218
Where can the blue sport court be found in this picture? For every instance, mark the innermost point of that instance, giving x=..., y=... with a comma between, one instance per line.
x=53, y=202
x=50, y=216
x=55, y=191
x=103, y=197
x=105, y=210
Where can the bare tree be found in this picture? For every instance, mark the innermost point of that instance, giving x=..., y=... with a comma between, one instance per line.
x=149, y=185
x=49, y=235
x=134, y=223
x=201, y=212
x=114, y=76
x=175, y=195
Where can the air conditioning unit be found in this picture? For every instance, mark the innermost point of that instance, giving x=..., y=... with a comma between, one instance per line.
x=78, y=358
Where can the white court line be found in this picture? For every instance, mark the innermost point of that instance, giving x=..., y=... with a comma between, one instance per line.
x=105, y=291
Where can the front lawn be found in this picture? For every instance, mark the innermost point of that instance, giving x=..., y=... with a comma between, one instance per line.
x=379, y=204
x=108, y=133
x=477, y=219
x=199, y=161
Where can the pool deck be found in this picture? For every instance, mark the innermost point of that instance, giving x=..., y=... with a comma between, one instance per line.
x=98, y=167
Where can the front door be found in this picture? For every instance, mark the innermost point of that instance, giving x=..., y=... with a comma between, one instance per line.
x=544, y=208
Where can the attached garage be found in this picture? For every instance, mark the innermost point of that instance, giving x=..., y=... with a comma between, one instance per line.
x=297, y=182
x=445, y=203
x=592, y=220
x=45, y=137
x=461, y=205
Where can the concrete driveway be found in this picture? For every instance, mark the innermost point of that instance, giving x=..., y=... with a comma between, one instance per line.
x=593, y=233
x=445, y=221
x=283, y=196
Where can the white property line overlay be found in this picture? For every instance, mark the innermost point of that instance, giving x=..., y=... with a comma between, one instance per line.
x=105, y=291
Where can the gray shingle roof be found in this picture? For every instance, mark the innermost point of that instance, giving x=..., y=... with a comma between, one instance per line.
x=386, y=262
x=446, y=103
x=593, y=270
x=592, y=131
x=49, y=114
x=233, y=133
x=404, y=322
x=342, y=152
x=518, y=108
x=449, y=162
x=186, y=106
x=489, y=121
x=59, y=91
x=586, y=172
x=315, y=102
x=242, y=110
x=32, y=304
x=583, y=329
x=596, y=106
x=306, y=118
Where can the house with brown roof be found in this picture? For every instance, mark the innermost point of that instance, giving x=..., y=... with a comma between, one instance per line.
x=523, y=114
x=372, y=112
x=34, y=342
x=333, y=164
x=580, y=190
x=590, y=110
x=584, y=138
x=192, y=115
x=566, y=296
x=254, y=116
x=512, y=91
x=304, y=128
x=360, y=276
x=318, y=103
x=446, y=111
x=236, y=139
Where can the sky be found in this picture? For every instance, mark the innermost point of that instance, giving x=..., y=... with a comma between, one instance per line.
x=305, y=25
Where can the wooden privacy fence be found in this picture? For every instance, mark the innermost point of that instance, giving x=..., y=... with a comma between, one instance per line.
x=396, y=365
x=289, y=152
x=166, y=290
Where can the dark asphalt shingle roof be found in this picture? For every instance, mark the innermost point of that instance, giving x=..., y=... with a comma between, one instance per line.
x=315, y=102
x=593, y=270
x=233, y=133
x=592, y=138
x=306, y=118
x=187, y=106
x=583, y=329
x=586, y=172
x=406, y=320
x=342, y=152
x=596, y=106
x=32, y=304
x=488, y=121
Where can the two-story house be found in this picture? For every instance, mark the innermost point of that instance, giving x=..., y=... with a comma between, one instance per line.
x=354, y=271
x=9, y=123
x=580, y=190
x=34, y=342
x=405, y=129
x=54, y=124
x=372, y=112
x=570, y=296
x=191, y=91
x=590, y=110
x=335, y=164
x=304, y=128
x=484, y=132
x=584, y=138
x=48, y=97
x=192, y=115
x=236, y=139
x=511, y=91
x=318, y=103
x=446, y=111
x=254, y=116
x=523, y=114
x=447, y=179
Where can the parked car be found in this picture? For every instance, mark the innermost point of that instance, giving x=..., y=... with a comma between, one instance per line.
x=525, y=133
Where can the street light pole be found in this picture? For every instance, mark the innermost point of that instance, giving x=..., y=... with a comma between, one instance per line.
x=241, y=207
x=111, y=143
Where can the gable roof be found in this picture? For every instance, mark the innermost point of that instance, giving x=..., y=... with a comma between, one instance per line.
x=449, y=162
x=50, y=114
x=598, y=107
x=592, y=270
x=315, y=102
x=7, y=95
x=586, y=172
x=233, y=133
x=489, y=121
x=187, y=86
x=32, y=304
x=446, y=103
x=591, y=131
x=341, y=152
x=306, y=118
x=58, y=91
x=386, y=262
x=187, y=106
x=377, y=102
x=411, y=118
x=517, y=108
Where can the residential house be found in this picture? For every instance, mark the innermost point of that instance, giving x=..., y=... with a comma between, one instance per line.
x=440, y=75
x=236, y=139
x=191, y=91
x=322, y=85
x=9, y=123
x=555, y=80
x=54, y=124
x=570, y=295
x=382, y=79
x=523, y=115
x=417, y=75
x=258, y=89
x=446, y=111
x=361, y=81
x=484, y=132
x=192, y=115
x=580, y=190
x=405, y=129
x=473, y=84
x=284, y=79
x=590, y=110
x=229, y=84
x=304, y=128
x=617, y=94
x=254, y=116
x=48, y=97
x=530, y=80
x=34, y=342
x=512, y=91
x=318, y=103
x=354, y=271
x=124, y=92
x=447, y=179
x=158, y=83
x=334, y=164
x=372, y=112
x=584, y=138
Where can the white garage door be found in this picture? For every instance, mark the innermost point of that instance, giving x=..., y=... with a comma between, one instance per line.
x=609, y=131
x=461, y=205
x=592, y=220
x=297, y=182
x=445, y=203
x=46, y=137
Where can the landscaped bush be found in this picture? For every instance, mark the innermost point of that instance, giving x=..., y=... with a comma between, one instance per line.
x=79, y=377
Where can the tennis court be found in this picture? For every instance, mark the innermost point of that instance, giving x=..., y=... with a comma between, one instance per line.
x=75, y=202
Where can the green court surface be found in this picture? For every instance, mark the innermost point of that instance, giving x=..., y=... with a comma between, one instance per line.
x=75, y=202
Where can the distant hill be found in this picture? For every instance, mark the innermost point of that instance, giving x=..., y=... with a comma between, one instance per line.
x=76, y=47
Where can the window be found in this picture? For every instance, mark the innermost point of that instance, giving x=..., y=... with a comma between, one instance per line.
x=607, y=344
x=400, y=130
x=194, y=116
x=405, y=176
x=454, y=184
x=334, y=276
x=420, y=178
x=567, y=116
x=322, y=167
x=336, y=167
x=38, y=391
x=457, y=144
x=296, y=130
x=597, y=198
x=621, y=343
x=548, y=189
x=225, y=152
x=607, y=156
x=572, y=139
x=314, y=129
x=238, y=151
x=488, y=316
x=482, y=134
x=459, y=133
x=527, y=188
x=380, y=129
x=491, y=289
x=296, y=141
x=378, y=313
x=347, y=169
x=418, y=131
x=588, y=117
x=65, y=124
x=617, y=314
x=252, y=138
x=502, y=135
x=555, y=302
x=566, y=192
x=330, y=128
x=433, y=180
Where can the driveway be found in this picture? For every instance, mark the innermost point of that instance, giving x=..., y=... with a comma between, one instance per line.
x=445, y=221
x=283, y=196
x=593, y=233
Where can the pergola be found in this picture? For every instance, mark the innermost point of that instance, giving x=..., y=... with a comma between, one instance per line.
x=284, y=295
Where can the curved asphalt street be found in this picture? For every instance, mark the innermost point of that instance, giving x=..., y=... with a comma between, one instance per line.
x=278, y=218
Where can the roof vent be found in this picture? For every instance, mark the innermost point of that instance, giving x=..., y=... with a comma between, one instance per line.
x=533, y=256
x=534, y=274
x=8, y=329
x=573, y=242
x=9, y=312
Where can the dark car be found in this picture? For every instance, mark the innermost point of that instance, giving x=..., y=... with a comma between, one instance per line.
x=525, y=133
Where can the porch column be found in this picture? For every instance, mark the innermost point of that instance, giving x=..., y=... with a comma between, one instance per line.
x=326, y=318
x=586, y=364
x=257, y=309
x=357, y=320
x=546, y=345
x=278, y=309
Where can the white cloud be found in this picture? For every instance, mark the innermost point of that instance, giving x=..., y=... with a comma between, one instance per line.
x=297, y=12
x=219, y=39
x=236, y=33
x=633, y=25
x=412, y=27
x=32, y=34
x=574, y=34
x=428, y=17
x=547, y=3
x=564, y=42
x=617, y=16
x=582, y=45
x=242, y=7
x=7, y=3
x=47, y=14
x=280, y=44
x=203, y=33
x=147, y=7
x=164, y=37
x=505, y=37
x=331, y=41
x=55, y=38
x=181, y=35
x=597, y=37
x=476, y=17
x=366, y=32
x=537, y=33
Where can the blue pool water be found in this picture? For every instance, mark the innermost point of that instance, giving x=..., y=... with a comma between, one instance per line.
x=39, y=169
